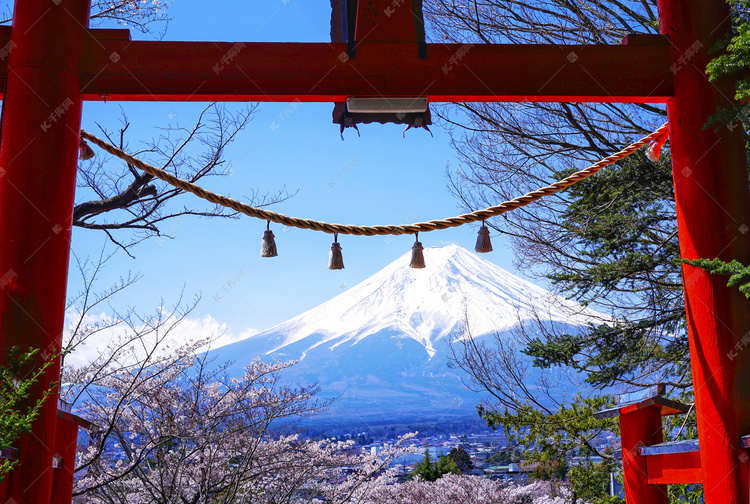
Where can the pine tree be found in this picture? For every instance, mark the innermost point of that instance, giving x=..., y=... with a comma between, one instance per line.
x=425, y=469
x=461, y=458
x=428, y=470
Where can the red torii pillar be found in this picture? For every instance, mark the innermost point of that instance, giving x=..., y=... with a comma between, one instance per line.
x=38, y=160
x=713, y=216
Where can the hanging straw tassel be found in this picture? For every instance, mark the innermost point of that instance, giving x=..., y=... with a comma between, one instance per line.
x=484, y=244
x=268, y=247
x=653, y=151
x=417, y=257
x=335, y=259
x=85, y=152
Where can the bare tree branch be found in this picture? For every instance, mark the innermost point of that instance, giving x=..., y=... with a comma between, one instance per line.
x=128, y=200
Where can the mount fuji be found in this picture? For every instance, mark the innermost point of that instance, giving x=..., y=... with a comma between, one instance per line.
x=382, y=348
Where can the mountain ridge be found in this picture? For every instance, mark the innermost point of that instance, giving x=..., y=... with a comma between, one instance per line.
x=384, y=344
x=395, y=286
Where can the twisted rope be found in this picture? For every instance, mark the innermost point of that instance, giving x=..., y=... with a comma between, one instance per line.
x=423, y=227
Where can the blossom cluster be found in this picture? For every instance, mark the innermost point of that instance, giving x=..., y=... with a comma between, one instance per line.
x=179, y=430
x=458, y=489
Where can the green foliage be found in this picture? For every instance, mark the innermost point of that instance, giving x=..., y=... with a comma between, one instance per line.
x=432, y=471
x=739, y=275
x=690, y=494
x=461, y=459
x=551, y=437
x=589, y=481
x=16, y=414
x=616, y=215
x=733, y=60
x=504, y=456
x=445, y=465
x=736, y=59
x=622, y=227
x=425, y=469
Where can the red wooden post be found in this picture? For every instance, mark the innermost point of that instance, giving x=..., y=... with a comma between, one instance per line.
x=638, y=428
x=38, y=159
x=389, y=21
x=66, y=438
x=713, y=212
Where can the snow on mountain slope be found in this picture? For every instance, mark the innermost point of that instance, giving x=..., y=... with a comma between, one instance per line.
x=382, y=345
x=428, y=304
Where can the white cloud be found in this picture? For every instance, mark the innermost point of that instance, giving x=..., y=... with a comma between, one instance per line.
x=99, y=331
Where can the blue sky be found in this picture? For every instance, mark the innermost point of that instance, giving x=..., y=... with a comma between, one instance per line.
x=379, y=178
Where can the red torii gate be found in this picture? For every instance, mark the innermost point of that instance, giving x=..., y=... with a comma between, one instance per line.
x=50, y=63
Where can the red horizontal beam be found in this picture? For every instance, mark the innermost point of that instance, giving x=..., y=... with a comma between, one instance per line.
x=671, y=468
x=76, y=420
x=119, y=69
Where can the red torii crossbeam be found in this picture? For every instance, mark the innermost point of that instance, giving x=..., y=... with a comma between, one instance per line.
x=51, y=63
x=117, y=69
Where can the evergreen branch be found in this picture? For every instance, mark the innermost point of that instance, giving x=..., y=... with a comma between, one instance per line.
x=739, y=275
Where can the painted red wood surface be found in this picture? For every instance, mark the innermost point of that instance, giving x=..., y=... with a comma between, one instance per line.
x=674, y=468
x=66, y=436
x=388, y=21
x=713, y=215
x=38, y=159
x=638, y=428
x=243, y=71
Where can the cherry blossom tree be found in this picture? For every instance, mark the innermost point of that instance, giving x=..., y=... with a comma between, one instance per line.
x=174, y=427
x=457, y=489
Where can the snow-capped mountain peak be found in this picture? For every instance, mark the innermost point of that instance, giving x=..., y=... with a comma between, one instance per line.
x=382, y=349
x=427, y=305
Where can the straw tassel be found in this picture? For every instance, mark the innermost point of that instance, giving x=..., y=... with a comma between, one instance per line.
x=268, y=247
x=484, y=244
x=335, y=259
x=653, y=151
x=85, y=152
x=417, y=257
